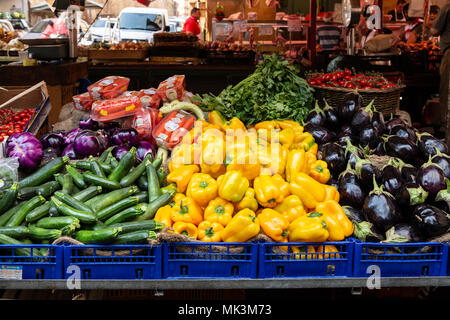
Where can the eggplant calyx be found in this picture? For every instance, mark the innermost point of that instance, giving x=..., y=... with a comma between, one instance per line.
x=362, y=230
x=440, y=154
x=318, y=109
x=431, y=163
x=417, y=195
x=370, y=108
x=350, y=147
x=349, y=169
x=327, y=106
x=378, y=190
x=367, y=151
x=359, y=165
x=392, y=237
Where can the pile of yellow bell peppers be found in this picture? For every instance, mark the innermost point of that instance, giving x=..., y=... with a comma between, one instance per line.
x=234, y=182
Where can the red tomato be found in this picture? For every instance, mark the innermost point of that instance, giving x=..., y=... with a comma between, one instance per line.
x=350, y=85
x=10, y=132
x=4, y=134
x=347, y=72
x=313, y=82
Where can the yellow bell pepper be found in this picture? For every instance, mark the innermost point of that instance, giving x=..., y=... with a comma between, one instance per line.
x=308, y=228
x=310, y=159
x=313, y=149
x=306, y=252
x=304, y=141
x=182, y=175
x=274, y=225
x=331, y=193
x=164, y=215
x=270, y=190
x=185, y=228
x=202, y=188
x=327, y=252
x=216, y=118
x=210, y=231
x=248, y=201
x=185, y=209
x=291, y=208
x=333, y=209
x=243, y=226
x=283, y=124
x=307, y=189
x=273, y=160
x=233, y=125
x=232, y=186
x=219, y=210
x=247, y=163
x=296, y=162
x=286, y=137
x=319, y=171
x=267, y=125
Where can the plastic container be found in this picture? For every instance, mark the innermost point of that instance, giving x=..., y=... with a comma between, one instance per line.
x=33, y=265
x=120, y=107
x=131, y=262
x=299, y=260
x=401, y=259
x=145, y=120
x=83, y=101
x=184, y=260
x=172, y=88
x=146, y=96
x=109, y=87
x=172, y=128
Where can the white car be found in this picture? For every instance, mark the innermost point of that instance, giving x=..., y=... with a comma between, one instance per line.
x=141, y=23
x=99, y=31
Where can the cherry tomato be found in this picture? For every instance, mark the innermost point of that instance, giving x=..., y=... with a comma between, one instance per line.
x=313, y=82
x=10, y=132
x=347, y=72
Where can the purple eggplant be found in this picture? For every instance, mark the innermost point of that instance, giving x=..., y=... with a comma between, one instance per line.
x=362, y=117
x=350, y=189
x=331, y=116
x=431, y=177
x=127, y=136
x=89, y=143
x=363, y=229
x=404, y=132
x=391, y=177
x=119, y=151
x=408, y=171
x=379, y=150
x=409, y=195
x=333, y=155
x=49, y=154
x=351, y=153
x=52, y=140
x=378, y=122
x=402, y=148
x=333, y=182
x=26, y=148
x=88, y=123
x=342, y=138
x=321, y=134
x=368, y=137
x=316, y=116
x=443, y=161
x=366, y=171
x=351, y=105
x=381, y=209
x=401, y=233
x=143, y=148
x=69, y=152
x=430, y=220
x=71, y=135
x=442, y=200
x=346, y=129
x=393, y=122
x=428, y=144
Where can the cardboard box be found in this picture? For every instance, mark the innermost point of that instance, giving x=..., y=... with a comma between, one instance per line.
x=19, y=98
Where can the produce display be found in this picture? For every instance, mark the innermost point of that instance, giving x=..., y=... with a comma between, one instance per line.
x=122, y=45
x=13, y=122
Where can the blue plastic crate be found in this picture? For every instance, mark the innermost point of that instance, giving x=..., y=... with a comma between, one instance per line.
x=200, y=260
x=130, y=262
x=297, y=260
x=17, y=264
x=420, y=259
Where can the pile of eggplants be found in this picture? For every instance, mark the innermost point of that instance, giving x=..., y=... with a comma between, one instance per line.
x=405, y=200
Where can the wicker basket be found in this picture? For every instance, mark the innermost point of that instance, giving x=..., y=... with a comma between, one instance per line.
x=386, y=100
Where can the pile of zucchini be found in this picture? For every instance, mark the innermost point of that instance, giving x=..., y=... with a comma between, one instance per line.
x=95, y=201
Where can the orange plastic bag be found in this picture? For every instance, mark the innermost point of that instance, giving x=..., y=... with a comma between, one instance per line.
x=120, y=107
x=109, y=87
x=82, y=101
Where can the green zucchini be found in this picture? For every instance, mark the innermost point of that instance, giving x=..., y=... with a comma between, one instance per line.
x=39, y=212
x=113, y=197
x=135, y=173
x=27, y=193
x=44, y=173
x=78, y=179
x=127, y=214
x=114, y=208
x=131, y=226
x=102, y=236
x=7, y=201
x=82, y=165
x=48, y=188
x=153, y=182
x=113, y=162
x=67, y=184
x=96, y=168
x=83, y=216
x=153, y=206
x=20, y=215
x=69, y=229
x=100, y=181
x=88, y=193
x=37, y=233
x=157, y=162
x=142, y=183
x=72, y=202
x=104, y=154
x=107, y=169
x=15, y=232
x=4, y=239
x=124, y=166
x=161, y=173
x=5, y=217
x=53, y=212
x=136, y=237
x=57, y=222
x=142, y=197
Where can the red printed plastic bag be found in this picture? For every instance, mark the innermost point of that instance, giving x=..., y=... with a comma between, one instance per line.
x=82, y=101
x=173, y=127
x=172, y=88
x=145, y=120
x=146, y=96
x=107, y=110
x=109, y=87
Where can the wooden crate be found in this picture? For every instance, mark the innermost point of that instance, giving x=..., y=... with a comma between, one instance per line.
x=109, y=55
